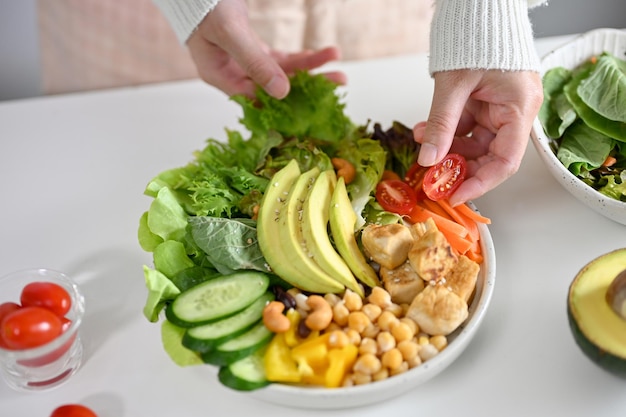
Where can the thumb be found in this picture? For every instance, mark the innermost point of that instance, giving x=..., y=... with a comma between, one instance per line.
x=449, y=99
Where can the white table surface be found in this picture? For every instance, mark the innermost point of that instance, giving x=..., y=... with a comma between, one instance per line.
x=72, y=173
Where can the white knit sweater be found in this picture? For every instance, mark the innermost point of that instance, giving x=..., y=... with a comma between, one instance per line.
x=465, y=34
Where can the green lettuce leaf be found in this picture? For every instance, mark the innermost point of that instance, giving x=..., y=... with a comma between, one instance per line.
x=583, y=148
x=172, y=340
x=160, y=291
x=312, y=109
x=228, y=243
x=604, y=90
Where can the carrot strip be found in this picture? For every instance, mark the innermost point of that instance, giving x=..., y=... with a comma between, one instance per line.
x=474, y=215
x=476, y=257
x=420, y=214
x=461, y=244
x=436, y=208
x=460, y=218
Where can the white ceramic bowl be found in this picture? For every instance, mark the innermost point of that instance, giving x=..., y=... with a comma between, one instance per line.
x=357, y=396
x=570, y=56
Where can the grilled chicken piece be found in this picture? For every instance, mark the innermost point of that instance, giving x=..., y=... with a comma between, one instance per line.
x=387, y=245
x=462, y=278
x=437, y=310
x=431, y=255
x=402, y=283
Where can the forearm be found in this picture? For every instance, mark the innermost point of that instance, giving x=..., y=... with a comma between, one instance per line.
x=482, y=34
x=184, y=16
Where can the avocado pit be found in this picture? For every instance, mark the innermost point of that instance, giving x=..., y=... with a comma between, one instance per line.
x=616, y=295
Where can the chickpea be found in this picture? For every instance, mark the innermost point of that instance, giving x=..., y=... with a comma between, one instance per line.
x=367, y=364
x=385, y=342
x=404, y=366
x=338, y=339
x=352, y=300
x=439, y=341
x=371, y=330
x=368, y=346
x=321, y=314
x=381, y=375
x=274, y=319
x=353, y=336
x=427, y=352
x=372, y=311
x=340, y=313
x=401, y=332
x=408, y=348
x=392, y=359
x=358, y=321
x=380, y=297
x=386, y=320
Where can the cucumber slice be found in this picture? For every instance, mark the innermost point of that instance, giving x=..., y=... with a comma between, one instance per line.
x=208, y=336
x=217, y=298
x=246, y=374
x=239, y=347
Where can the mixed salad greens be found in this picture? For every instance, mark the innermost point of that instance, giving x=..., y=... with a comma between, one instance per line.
x=584, y=112
x=201, y=221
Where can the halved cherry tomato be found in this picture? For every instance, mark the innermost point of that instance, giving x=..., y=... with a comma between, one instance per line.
x=30, y=327
x=48, y=295
x=443, y=178
x=415, y=178
x=396, y=196
x=73, y=410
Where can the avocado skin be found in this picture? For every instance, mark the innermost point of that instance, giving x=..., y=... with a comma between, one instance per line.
x=610, y=363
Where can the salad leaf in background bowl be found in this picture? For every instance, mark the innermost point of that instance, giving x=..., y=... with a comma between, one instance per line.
x=580, y=131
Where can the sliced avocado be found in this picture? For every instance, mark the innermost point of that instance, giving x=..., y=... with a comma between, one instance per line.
x=297, y=253
x=315, y=231
x=342, y=221
x=597, y=328
x=272, y=204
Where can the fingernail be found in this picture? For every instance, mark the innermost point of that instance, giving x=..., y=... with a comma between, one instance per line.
x=427, y=155
x=277, y=87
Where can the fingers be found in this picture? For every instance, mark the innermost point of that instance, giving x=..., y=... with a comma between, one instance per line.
x=449, y=99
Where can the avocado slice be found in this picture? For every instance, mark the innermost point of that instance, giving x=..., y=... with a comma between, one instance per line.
x=315, y=218
x=342, y=221
x=598, y=329
x=298, y=253
x=277, y=252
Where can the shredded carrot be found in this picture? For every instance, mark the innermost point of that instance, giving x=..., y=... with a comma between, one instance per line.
x=609, y=161
x=474, y=215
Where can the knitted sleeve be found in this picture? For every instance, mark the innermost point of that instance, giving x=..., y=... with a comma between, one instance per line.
x=185, y=16
x=482, y=34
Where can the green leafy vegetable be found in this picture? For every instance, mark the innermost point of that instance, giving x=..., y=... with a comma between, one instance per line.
x=584, y=112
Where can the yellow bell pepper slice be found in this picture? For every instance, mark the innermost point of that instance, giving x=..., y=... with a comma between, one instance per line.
x=340, y=361
x=278, y=362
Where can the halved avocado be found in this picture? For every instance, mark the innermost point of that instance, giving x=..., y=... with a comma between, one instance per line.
x=598, y=329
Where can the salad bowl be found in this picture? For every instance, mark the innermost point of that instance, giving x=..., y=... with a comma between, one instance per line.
x=361, y=395
x=570, y=56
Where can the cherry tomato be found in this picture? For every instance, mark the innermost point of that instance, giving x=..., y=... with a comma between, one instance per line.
x=415, y=178
x=443, y=178
x=73, y=410
x=396, y=196
x=30, y=327
x=5, y=309
x=48, y=295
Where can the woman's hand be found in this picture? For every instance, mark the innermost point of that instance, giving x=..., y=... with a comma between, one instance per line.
x=484, y=115
x=230, y=56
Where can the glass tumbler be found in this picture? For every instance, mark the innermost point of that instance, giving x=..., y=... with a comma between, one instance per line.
x=48, y=365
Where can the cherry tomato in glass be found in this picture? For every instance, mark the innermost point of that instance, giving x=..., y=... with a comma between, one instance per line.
x=48, y=295
x=443, y=178
x=396, y=196
x=73, y=410
x=5, y=309
x=30, y=327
